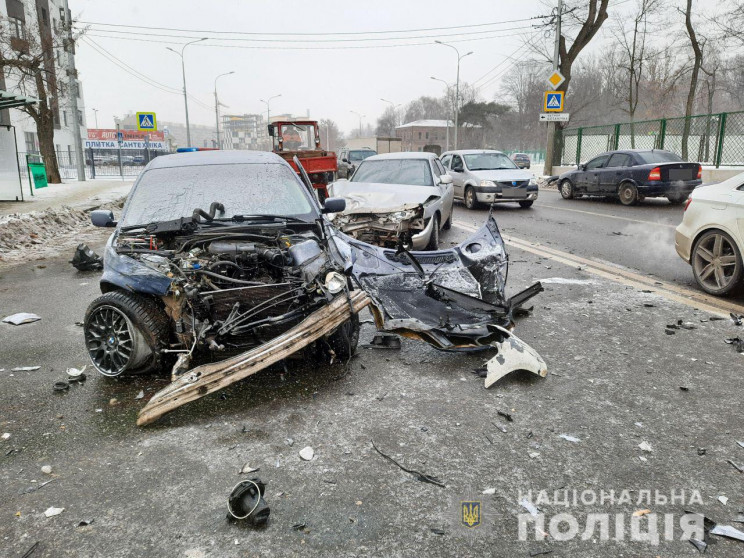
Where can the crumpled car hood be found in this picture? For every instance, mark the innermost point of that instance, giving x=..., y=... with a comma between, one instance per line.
x=372, y=197
x=503, y=175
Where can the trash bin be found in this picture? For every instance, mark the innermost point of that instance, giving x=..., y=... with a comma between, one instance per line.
x=36, y=171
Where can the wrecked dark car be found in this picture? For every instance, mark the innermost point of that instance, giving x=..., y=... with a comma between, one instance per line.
x=223, y=263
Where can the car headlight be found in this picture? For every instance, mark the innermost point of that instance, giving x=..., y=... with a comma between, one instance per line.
x=335, y=282
x=487, y=183
x=403, y=215
x=533, y=182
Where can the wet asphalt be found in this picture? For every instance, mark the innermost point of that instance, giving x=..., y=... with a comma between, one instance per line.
x=615, y=381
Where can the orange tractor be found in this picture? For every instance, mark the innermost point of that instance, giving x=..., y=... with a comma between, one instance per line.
x=301, y=139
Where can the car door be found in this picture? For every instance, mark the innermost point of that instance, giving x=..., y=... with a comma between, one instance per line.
x=448, y=190
x=589, y=178
x=457, y=171
x=613, y=173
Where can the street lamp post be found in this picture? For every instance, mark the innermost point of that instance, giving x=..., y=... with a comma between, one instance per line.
x=395, y=109
x=268, y=106
x=95, y=116
x=217, y=108
x=457, y=83
x=447, y=85
x=360, y=120
x=185, y=96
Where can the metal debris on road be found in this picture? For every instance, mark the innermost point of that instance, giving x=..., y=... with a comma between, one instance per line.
x=419, y=476
x=727, y=531
x=383, y=341
x=85, y=259
x=737, y=318
x=700, y=545
x=21, y=318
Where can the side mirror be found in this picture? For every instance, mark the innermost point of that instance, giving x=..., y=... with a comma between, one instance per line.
x=581, y=167
x=270, y=127
x=445, y=179
x=102, y=218
x=334, y=205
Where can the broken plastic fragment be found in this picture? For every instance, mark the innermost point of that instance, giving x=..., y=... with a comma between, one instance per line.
x=489, y=491
x=723, y=499
x=248, y=469
x=529, y=506
x=85, y=259
x=645, y=446
x=25, y=368
x=21, y=318
x=307, y=453
x=569, y=438
x=514, y=354
x=51, y=512
x=727, y=531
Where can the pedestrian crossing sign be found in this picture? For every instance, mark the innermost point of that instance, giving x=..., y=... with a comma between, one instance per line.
x=553, y=101
x=147, y=122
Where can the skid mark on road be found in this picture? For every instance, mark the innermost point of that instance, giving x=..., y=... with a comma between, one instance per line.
x=597, y=214
x=670, y=291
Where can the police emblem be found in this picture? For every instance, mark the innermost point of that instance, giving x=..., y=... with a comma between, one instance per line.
x=471, y=514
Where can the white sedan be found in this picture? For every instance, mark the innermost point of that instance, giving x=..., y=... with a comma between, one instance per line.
x=711, y=235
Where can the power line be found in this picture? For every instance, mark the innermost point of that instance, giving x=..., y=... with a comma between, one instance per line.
x=284, y=32
x=257, y=47
x=507, y=58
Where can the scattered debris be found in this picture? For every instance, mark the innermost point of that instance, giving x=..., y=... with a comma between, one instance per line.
x=540, y=552
x=46, y=469
x=61, y=386
x=85, y=259
x=85, y=522
x=21, y=318
x=741, y=444
x=737, y=318
x=299, y=526
x=723, y=499
x=569, y=438
x=248, y=469
x=489, y=491
x=52, y=511
x=76, y=372
x=684, y=388
x=436, y=531
x=702, y=451
x=307, y=453
x=31, y=550
x=700, y=545
x=639, y=513
x=735, y=466
x=113, y=402
x=530, y=507
x=507, y=416
x=736, y=342
x=140, y=395
x=645, y=446
x=289, y=442
x=24, y=368
x=419, y=476
x=383, y=341
x=727, y=531
x=534, y=454
x=246, y=501
x=5, y=436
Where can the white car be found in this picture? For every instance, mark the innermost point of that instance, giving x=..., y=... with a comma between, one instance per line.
x=711, y=235
x=396, y=197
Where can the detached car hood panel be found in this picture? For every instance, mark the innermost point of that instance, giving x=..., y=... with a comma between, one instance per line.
x=367, y=197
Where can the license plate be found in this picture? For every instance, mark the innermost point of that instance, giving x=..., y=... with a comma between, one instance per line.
x=680, y=174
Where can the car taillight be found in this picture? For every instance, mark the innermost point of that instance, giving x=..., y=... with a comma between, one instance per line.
x=655, y=174
x=688, y=202
x=700, y=171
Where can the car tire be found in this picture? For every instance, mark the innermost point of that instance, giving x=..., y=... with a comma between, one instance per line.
x=526, y=204
x=567, y=190
x=448, y=224
x=433, y=243
x=676, y=199
x=124, y=334
x=627, y=193
x=715, y=246
x=471, y=200
x=345, y=339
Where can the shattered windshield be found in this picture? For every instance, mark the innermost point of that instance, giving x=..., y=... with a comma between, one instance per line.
x=244, y=189
x=414, y=172
x=488, y=161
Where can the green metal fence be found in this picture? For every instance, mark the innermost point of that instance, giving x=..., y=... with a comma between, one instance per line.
x=712, y=139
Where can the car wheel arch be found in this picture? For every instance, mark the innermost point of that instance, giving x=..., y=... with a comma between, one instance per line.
x=712, y=228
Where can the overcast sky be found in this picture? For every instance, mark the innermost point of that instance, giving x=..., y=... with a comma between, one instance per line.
x=330, y=83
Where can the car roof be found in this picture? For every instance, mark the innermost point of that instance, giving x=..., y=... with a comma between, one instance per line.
x=471, y=152
x=404, y=155
x=202, y=158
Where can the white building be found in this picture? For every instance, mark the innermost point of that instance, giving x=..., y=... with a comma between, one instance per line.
x=17, y=19
x=244, y=131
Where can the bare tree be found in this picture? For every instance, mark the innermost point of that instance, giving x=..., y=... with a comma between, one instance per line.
x=631, y=39
x=330, y=134
x=387, y=122
x=27, y=58
x=697, y=48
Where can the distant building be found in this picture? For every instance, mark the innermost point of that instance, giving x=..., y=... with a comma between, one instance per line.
x=20, y=17
x=244, y=131
x=175, y=132
x=425, y=135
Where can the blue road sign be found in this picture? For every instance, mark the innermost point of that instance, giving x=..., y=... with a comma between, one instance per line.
x=553, y=101
x=120, y=136
x=147, y=122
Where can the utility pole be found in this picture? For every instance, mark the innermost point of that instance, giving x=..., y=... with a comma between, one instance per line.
x=73, y=94
x=457, y=84
x=217, y=108
x=95, y=115
x=549, y=148
x=185, y=95
x=360, y=120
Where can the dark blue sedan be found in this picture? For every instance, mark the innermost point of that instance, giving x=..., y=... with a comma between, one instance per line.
x=633, y=175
